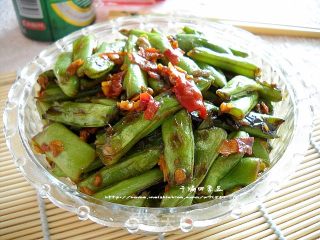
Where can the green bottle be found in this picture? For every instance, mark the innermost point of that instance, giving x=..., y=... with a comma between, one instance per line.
x=49, y=20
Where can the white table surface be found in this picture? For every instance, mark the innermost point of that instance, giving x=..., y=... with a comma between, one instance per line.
x=16, y=50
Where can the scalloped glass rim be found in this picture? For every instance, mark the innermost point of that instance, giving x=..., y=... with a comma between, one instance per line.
x=19, y=108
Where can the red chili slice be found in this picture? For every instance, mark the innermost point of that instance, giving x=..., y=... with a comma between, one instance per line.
x=172, y=56
x=151, y=110
x=187, y=93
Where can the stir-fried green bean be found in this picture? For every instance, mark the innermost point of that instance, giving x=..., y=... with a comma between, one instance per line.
x=143, y=121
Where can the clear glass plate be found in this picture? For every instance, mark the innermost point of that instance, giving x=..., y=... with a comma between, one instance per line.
x=22, y=122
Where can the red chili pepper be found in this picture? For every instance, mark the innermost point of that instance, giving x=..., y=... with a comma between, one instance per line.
x=172, y=56
x=151, y=110
x=187, y=93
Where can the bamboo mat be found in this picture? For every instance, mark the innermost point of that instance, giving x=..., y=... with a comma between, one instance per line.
x=293, y=212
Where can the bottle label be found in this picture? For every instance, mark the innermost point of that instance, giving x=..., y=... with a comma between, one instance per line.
x=74, y=14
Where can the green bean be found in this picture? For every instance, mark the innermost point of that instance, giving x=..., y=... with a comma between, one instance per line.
x=122, y=191
x=240, y=107
x=158, y=85
x=207, y=143
x=97, y=65
x=234, y=51
x=178, y=142
x=220, y=167
x=260, y=125
x=130, y=166
x=260, y=149
x=68, y=84
x=137, y=201
x=96, y=164
x=189, y=41
x=116, y=46
x=238, y=86
x=56, y=171
x=161, y=43
x=190, y=30
x=244, y=173
x=226, y=62
x=133, y=127
x=71, y=155
x=82, y=49
x=81, y=114
x=270, y=93
x=135, y=79
x=54, y=93
x=219, y=78
x=104, y=101
x=238, y=52
x=211, y=96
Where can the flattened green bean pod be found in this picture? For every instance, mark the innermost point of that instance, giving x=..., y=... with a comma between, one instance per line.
x=97, y=65
x=240, y=107
x=133, y=127
x=178, y=142
x=135, y=79
x=116, y=46
x=68, y=84
x=122, y=191
x=81, y=114
x=220, y=167
x=207, y=143
x=131, y=166
x=260, y=125
x=137, y=201
x=219, y=78
x=238, y=86
x=189, y=41
x=244, y=173
x=226, y=62
x=65, y=149
x=261, y=149
x=82, y=49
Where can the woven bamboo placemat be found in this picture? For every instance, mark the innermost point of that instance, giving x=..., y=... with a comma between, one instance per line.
x=293, y=212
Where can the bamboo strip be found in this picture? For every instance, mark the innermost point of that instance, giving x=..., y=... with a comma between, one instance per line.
x=15, y=186
x=20, y=234
x=71, y=221
x=299, y=219
x=271, y=237
x=67, y=227
x=294, y=201
x=246, y=233
x=8, y=168
x=290, y=188
x=20, y=224
x=302, y=225
x=12, y=176
x=102, y=231
x=17, y=202
x=312, y=235
x=263, y=234
x=16, y=193
x=11, y=182
x=75, y=233
x=17, y=208
x=22, y=213
x=229, y=227
x=231, y=231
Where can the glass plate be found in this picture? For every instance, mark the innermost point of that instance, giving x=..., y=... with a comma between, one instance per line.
x=22, y=122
